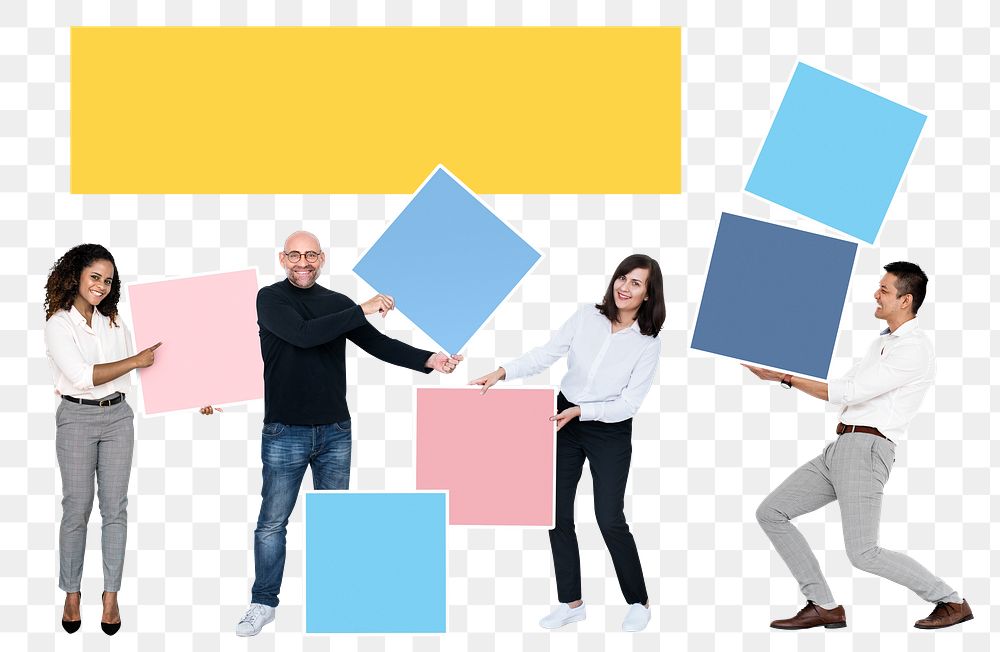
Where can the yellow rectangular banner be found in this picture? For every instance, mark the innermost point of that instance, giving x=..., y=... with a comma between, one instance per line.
x=374, y=109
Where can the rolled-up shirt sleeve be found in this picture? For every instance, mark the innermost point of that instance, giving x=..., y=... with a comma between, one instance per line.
x=903, y=364
x=66, y=354
x=627, y=404
x=541, y=358
x=129, y=351
x=127, y=334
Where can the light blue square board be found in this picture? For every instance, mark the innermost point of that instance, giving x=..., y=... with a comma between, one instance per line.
x=376, y=562
x=835, y=153
x=447, y=260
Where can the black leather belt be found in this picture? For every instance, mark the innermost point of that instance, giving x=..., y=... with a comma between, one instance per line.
x=104, y=402
x=868, y=430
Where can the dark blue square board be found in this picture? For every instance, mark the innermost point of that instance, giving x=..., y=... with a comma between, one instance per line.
x=774, y=296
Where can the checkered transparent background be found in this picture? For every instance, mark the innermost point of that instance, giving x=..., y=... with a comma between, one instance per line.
x=710, y=441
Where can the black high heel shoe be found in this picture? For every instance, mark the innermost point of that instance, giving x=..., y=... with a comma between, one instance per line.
x=71, y=625
x=110, y=628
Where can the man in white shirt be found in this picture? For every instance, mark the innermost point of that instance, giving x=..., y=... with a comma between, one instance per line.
x=879, y=395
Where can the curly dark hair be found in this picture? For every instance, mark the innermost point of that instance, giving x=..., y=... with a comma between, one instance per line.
x=64, y=281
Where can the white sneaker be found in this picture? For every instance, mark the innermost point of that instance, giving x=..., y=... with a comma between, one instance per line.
x=254, y=620
x=636, y=619
x=563, y=615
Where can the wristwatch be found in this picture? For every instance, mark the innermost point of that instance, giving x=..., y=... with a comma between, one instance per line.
x=786, y=382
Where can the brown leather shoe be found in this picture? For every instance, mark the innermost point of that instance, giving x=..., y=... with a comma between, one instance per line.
x=813, y=615
x=946, y=614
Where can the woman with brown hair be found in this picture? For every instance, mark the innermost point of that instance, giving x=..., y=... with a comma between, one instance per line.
x=89, y=351
x=613, y=352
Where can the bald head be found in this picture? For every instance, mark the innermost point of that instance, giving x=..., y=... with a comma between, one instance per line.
x=302, y=241
x=302, y=272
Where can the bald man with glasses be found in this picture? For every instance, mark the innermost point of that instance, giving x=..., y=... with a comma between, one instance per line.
x=304, y=329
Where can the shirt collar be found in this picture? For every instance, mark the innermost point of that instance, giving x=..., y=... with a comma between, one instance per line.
x=76, y=316
x=903, y=329
x=634, y=326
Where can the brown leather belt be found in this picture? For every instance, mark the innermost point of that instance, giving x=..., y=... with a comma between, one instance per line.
x=843, y=429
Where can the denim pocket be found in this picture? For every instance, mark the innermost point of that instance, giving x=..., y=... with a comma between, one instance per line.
x=343, y=426
x=272, y=429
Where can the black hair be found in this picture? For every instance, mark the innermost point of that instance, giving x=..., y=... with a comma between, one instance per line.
x=910, y=279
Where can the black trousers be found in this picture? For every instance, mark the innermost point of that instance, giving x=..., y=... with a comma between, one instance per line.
x=608, y=447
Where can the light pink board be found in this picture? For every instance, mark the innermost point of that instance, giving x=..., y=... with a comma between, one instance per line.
x=211, y=348
x=494, y=453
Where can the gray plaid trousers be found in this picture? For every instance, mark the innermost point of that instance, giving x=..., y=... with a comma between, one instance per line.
x=852, y=470
x=93, y=440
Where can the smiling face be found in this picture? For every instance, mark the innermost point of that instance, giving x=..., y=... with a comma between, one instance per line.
x=630, y=290
x=889, y=305
x=302, y=273
x=95, y=281
x=95, y=284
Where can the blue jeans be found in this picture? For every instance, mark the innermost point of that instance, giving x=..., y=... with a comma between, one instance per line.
x=286, y=451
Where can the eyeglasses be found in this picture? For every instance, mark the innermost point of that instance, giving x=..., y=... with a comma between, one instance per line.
x=295, y=256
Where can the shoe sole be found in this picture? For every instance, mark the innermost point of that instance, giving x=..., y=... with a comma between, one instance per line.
x=839, y=625
x=637, y=629
x=957, y=622
x=568, y=621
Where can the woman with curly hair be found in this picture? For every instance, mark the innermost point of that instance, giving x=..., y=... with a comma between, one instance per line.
x=90, y=354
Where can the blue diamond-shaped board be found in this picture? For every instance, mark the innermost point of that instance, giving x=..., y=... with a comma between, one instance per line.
x=447, y=260
x=774, y=296
x=376, y=563
x=835, y=153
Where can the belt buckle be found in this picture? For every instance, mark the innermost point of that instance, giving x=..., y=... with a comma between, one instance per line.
x=104, y=403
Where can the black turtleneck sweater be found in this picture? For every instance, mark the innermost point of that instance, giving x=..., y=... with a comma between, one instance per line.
x=302, y=340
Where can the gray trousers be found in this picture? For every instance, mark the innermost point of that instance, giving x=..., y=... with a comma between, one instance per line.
x=852, y=470
x=93, y=440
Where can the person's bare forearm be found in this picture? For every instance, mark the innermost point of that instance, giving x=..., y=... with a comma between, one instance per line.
x=105, y=373
x=815, y=388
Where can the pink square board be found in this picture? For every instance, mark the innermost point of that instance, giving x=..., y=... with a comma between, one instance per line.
x=211, y=347
x=495, y=453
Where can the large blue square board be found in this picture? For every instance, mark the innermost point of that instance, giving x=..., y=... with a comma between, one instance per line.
x=774, y=296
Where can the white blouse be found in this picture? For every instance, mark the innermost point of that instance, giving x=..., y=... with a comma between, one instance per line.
x=609, y=373
x=74, y=348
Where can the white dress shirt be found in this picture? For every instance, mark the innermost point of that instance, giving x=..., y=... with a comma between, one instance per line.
x=609, y=373
x=74, y=348
x=884, y=389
